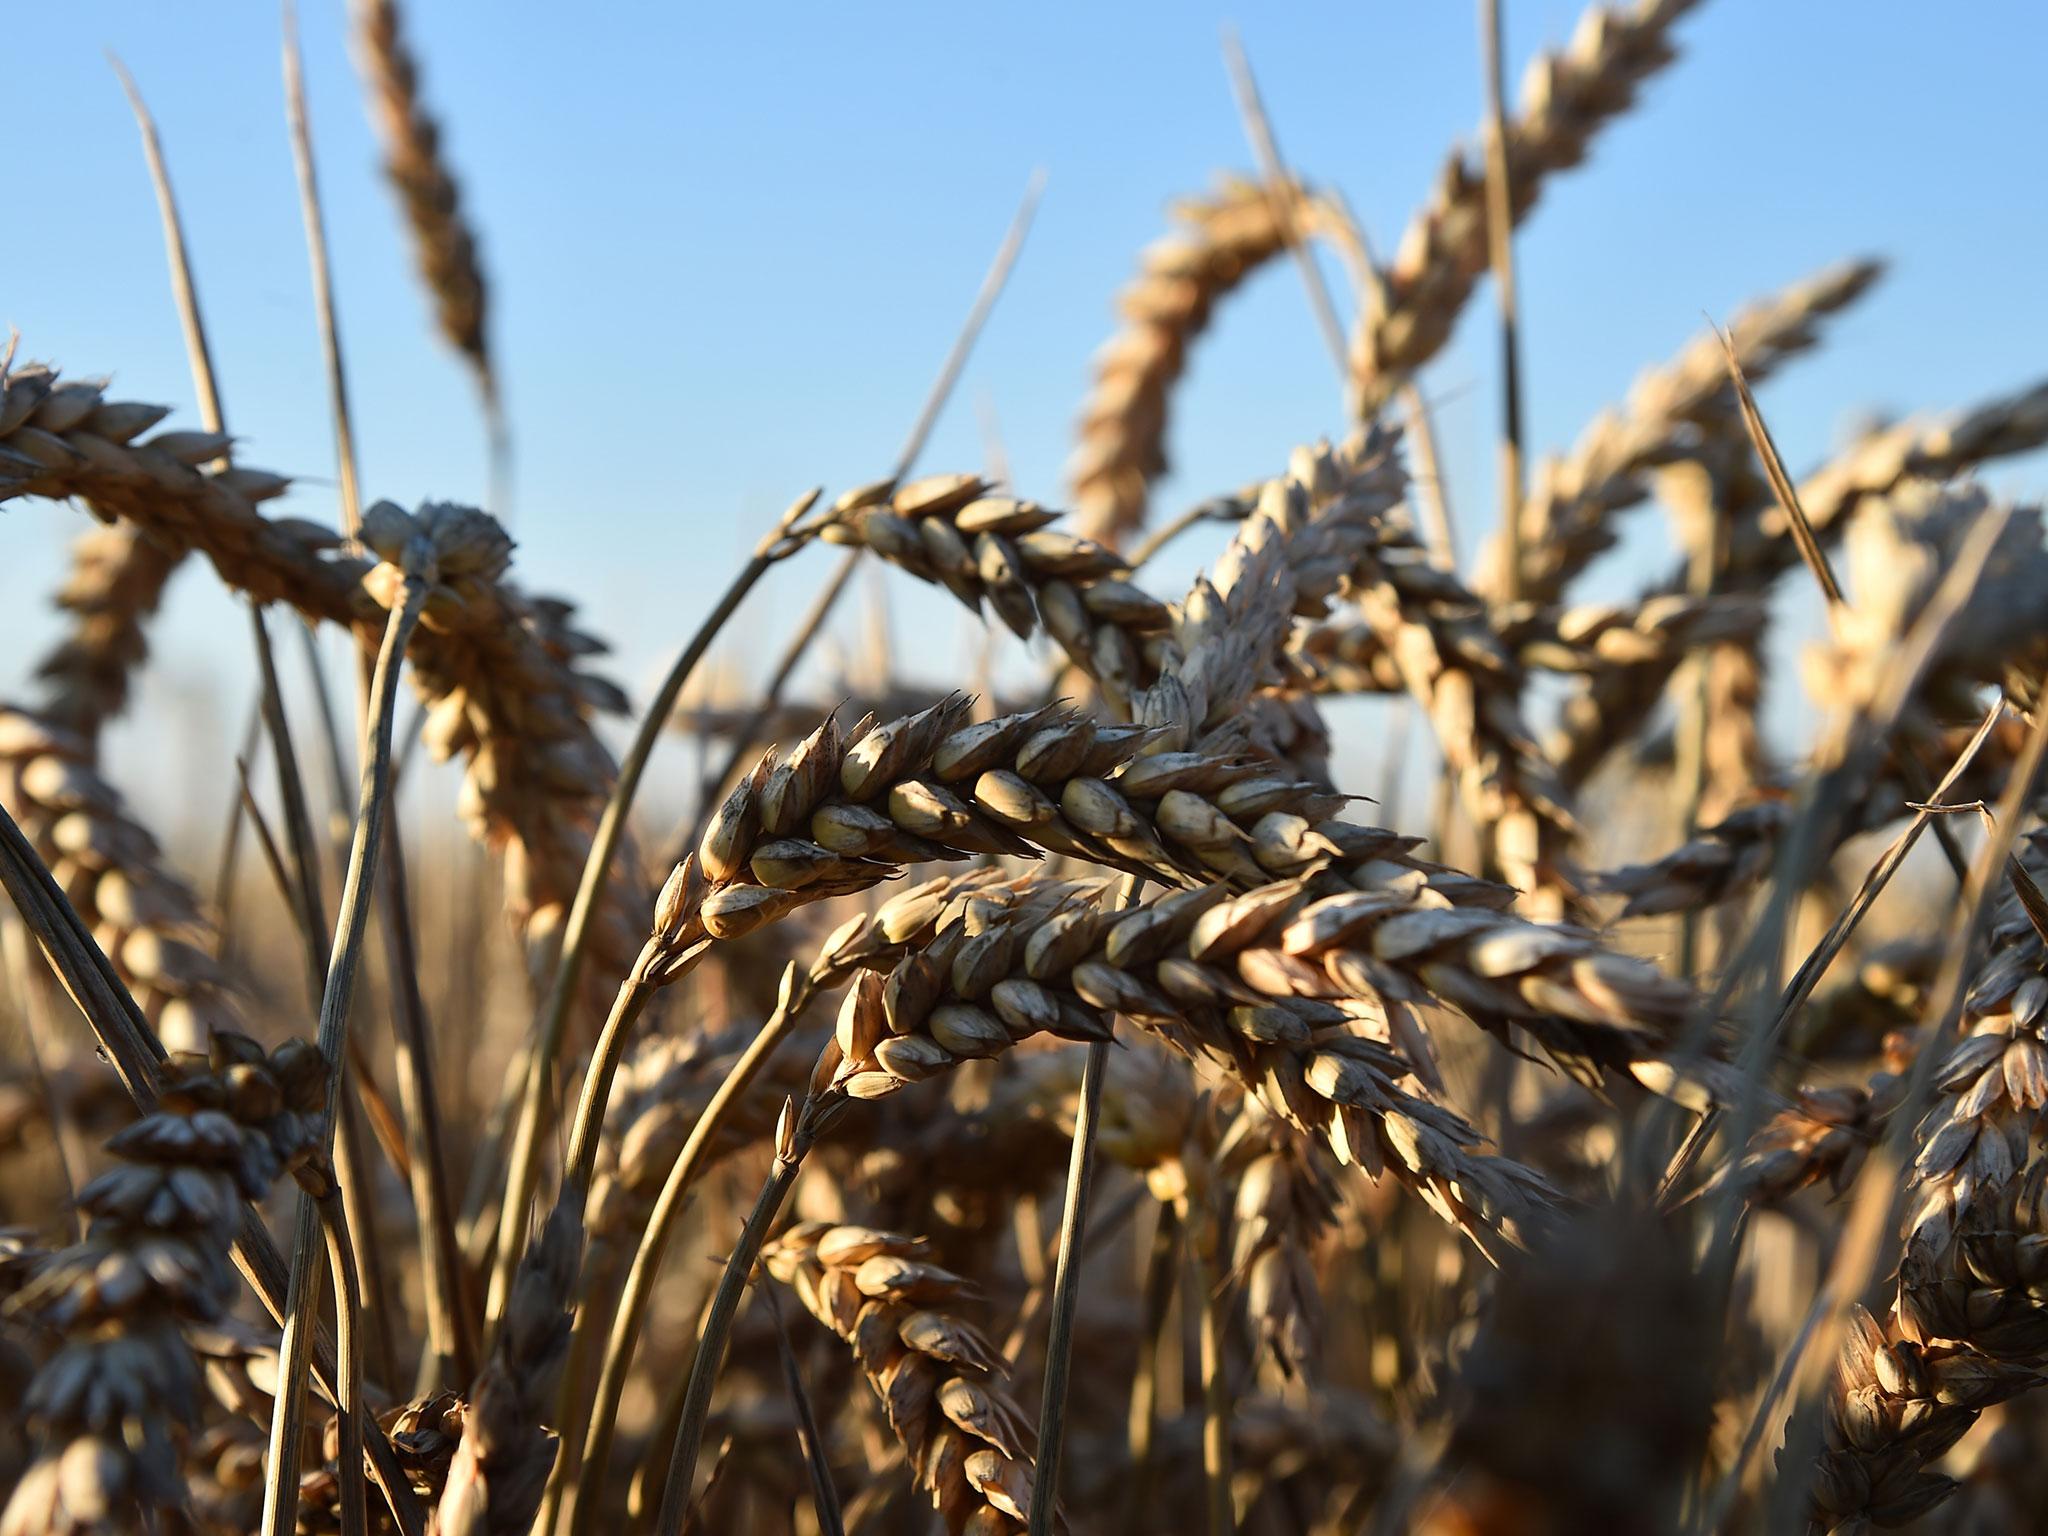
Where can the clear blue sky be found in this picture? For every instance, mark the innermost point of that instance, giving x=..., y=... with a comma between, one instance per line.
x=730, y=244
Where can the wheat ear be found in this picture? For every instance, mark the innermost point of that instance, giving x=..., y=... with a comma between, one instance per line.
x=939, y=1379
x=500, y=670
x=1566, y=519
x=443, y=241
x=154, y=1259
x=1761, y=547
x=1216, y=244
x=1567, y=98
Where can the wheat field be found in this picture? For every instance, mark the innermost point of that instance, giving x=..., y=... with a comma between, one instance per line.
x=1064, y=1096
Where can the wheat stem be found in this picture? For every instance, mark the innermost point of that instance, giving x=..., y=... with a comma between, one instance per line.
x=281, y=1490
x=1222, y=1517
x=792, y=1145
x=523, y=1163
x=631, y=1308
x=1500, y=249
x=1066, y=1293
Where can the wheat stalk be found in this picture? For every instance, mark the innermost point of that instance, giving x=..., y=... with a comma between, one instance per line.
x=1761, y=548
x=1671, y=410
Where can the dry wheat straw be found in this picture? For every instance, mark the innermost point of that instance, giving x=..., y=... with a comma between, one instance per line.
x=1761, y=548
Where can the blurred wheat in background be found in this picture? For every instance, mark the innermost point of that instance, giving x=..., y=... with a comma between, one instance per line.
x=1060, y=1095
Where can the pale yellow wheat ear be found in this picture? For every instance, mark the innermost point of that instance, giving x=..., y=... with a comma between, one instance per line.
x=1216, y=244
x=502, y=672
x=444, y=242
x=1567, y=98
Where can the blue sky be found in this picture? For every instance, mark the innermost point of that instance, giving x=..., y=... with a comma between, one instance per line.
x=729, y=246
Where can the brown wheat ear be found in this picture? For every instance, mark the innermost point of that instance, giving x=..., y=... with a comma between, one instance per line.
x=442, y=238
x=939, y=1380
x=111, y=1402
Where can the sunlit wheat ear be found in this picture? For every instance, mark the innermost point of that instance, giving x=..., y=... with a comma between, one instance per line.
x=500, y=670
x=1215, y=245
